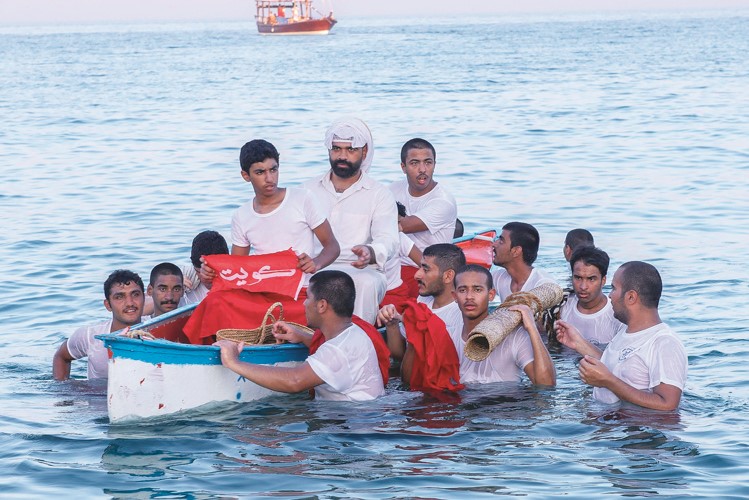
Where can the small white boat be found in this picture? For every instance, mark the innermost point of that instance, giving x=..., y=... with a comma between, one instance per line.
x=151, y=378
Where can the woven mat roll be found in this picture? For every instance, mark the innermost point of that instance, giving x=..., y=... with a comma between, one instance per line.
x=495, y=328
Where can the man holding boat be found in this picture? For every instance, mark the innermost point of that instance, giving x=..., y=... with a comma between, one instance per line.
x=166, y=288
x=644, y=364
x=124, y=298
x=361, y=211
x=431, y=211
x=344, y=368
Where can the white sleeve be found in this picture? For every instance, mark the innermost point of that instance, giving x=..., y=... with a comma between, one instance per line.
x=313, y=211
x=238, y=236
x=522, y=348
x=668, y=363
x=330, y=364
x=79, y=343
x=384, y=228
x=438, y=214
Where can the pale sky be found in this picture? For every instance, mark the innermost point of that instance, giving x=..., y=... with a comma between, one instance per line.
x=20, y=12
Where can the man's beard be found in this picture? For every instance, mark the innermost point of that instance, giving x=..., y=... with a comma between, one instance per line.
x=350, y=170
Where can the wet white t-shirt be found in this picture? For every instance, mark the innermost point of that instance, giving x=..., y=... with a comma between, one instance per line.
x=506, y=363
x=645, y=359
x=82, y=343
x=348, y=365
x=599, y=327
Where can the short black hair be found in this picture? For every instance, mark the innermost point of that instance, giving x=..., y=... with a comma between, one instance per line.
x=401, y=209
x=122, y=277
x=165, y=269
x=446, y=255
x=644, y=279
x=416, y=143
x=577, y=237
x=591, y=256
x=459, y=230
x=207, y=243
x=526, y=237
x=255, y=151
x=337, y=288
x=475, y=268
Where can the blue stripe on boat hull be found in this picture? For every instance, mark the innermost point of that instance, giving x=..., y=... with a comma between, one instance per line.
x=162, y=351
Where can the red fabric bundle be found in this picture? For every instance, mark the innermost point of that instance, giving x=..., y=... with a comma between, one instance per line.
x=398, y=297
x=436, y=365
x=407, y=275
x=237, y=309
x=381, y=348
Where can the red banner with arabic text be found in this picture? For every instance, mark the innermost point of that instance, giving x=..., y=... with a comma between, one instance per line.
x=273, y=272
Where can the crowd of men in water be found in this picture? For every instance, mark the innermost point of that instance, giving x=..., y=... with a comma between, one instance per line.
x=367, y=264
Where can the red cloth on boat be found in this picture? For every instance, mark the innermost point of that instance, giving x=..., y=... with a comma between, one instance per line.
x=436, y=365
x=407, y=275
x=398, y=297
x=237, y=309
x=271, y=272
x=381, y=348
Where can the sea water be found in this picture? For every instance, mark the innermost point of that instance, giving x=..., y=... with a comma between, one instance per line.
x=119, y=143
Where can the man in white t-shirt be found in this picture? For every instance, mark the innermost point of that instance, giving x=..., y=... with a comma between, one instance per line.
x=646, y=364
x=277, y=218
x=361, y=211
x=589, y=309
x=431, y=210
x=515, y=251
x=522, y=351
x=124, y=297
x=439, y=264
x=344, y=367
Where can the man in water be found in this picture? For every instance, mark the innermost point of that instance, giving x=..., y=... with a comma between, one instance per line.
x=431, y=210
x=165, y=288
x=522, y=351
x=435, y=279
x=588, y=309
x=574, y=239
x=515, y=251
x=124, y=298
x=361, y=211
x=644, y=364
x=344, y=368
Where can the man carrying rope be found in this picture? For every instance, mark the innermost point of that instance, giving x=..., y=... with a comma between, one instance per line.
x=522, y=351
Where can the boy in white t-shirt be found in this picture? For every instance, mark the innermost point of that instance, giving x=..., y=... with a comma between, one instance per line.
x=277, y=218
x=431, y=211
x=124, y=298
x=646, y=364
x=589, y=309
x=344, y=368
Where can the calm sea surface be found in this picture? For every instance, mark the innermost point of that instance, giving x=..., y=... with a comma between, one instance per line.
x=119, y=143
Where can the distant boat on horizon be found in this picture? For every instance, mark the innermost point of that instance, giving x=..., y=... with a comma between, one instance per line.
x=291, y=17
